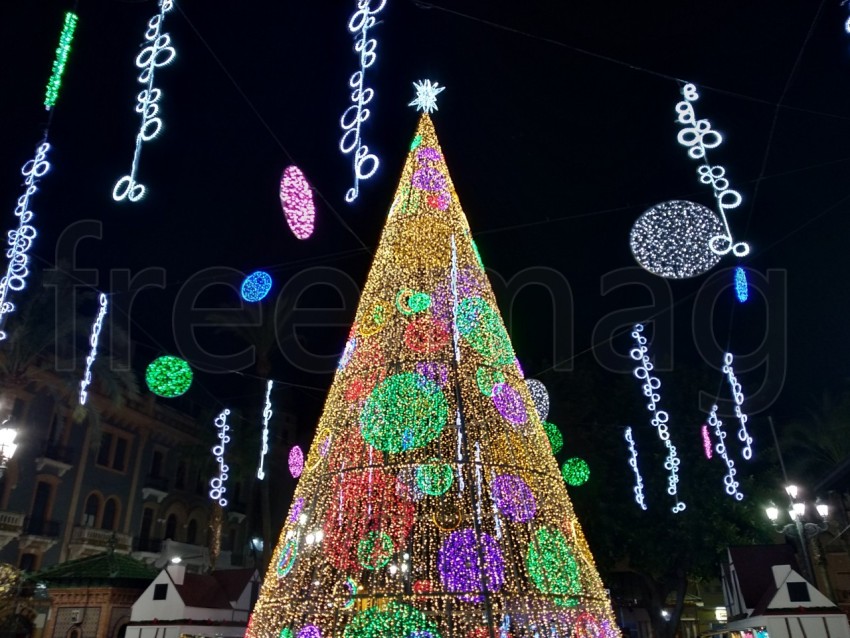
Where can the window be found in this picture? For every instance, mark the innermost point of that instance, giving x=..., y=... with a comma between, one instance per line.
x=798, y=592
x=113, y=451
x=192, y=532
x=171, y=527
x=27, y=562
x=110, y=514
x=105, y=449
x=91, y=511
x=160, y=592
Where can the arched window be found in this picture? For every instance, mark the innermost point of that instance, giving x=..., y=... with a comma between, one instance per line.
x=171, y=527
x=192, y=532
x=73, y=632
x=110, y=514
x=91, y=510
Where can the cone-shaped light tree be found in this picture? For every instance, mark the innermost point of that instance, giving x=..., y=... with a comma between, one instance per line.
x=430, y=505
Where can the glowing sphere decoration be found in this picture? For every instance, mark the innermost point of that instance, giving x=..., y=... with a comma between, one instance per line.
x=296, y=199
x=540, y=396
x=514, y=498
x=556, y=439
x=168, y=376
x=434, y=478
x=575, y=471
x=393, y=620
x=460, y=565
x=671, y=239
x=296, y=461
x=374, y=550
x=553, y=567
x=309, y=631
x=509, y=403
x=256, y=286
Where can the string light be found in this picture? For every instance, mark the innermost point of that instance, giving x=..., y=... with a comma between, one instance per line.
x=156, y=52
x=296, y=461
x=742, y=289
x=256, y=286
x=296, y=199
x=540, y=396
x=65, y=38
x=706, y=441
x=168, y=376
x=218, y=486
x=96, y=327
x=20, y=239
x=556, y=439
x=638, y=488
x=651, y=385
x=738, y=396
x=365, y=163
x=672, y=239
x=575, y=471
x=698, y=137
x=267, y=415
x=431, y=473
x=729, y=481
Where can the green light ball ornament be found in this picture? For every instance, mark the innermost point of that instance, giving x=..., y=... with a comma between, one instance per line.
x=374, y=550
x=552, y=566
x=483, y=330
x=286, y=632
x=575, y=471
x=434, y=478
x=487, y=378
x=556, y=439
x=404, y=412
x=393, y=620
x=168, y=376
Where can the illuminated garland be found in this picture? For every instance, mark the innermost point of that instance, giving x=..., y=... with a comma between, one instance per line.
x=365, y=163
x=698, y=136
x=738, y=397
x=651, y=385
x=217, y=483
x=20, y=239
x=65, y=38
x=267, y=415
x=706, y=441
x=742, y=289
x=729, y=480
x=97, y=325
x=638, y=488
x=157, y=52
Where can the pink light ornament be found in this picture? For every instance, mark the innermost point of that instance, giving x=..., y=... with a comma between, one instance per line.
x=296, y=198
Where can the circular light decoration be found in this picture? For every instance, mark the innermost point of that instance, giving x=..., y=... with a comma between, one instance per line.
x=434, y=478
x=540, y=396
x=296, y=198
x=483, y=329
x=374, y=550
x=514, y=498
x=393, y=620
x=671, y=239
x=286, y=632
x=256, y=286
x=287, y=557
x=350, y=587
x=405, y=411
x=552, y=566
x=433, y=371
x=509, y=403
x=459, y=562
x=309, y=631
x=296, y=461
x=575, y=471
x=487, y=378
x=168, y=376
x=426, y=335
x=556, y=439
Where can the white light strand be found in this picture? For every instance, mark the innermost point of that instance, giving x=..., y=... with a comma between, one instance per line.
x=728, y=480
x=659, y=420
x=698, y=136
x=21, y=238
x=638, y=488
x=459, y=430
x=217, y=483
x=478, y=482
x=496, y=518
x=157, y=53
x=455, y=332
x=365, y=163
x=267, y=415
x=96, y=327
x=738, y=396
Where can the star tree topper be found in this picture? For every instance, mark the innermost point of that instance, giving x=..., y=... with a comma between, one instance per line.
x=426, y=95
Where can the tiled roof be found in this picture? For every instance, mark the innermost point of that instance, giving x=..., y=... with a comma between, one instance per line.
x=107, y=568
x=215, y=590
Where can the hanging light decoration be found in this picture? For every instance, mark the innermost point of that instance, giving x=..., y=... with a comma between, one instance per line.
x=256, y=286
x=729, y=481
x=738, y=397
x=168, y=376
x=218, y=486
x=97, y=326
x=267, y=415
x=296, y=199
x=742, y=288
x=540, y=396
x=51, y=93
x=638, y=488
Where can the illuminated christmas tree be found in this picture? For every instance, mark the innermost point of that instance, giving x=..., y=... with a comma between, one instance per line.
x=430, y=505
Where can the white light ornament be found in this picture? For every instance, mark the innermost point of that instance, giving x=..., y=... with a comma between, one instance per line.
x=267, y=415
x=157, y=52
x=365, y=163
x=651, y=385
x=96, y=327
x=728, y=480
x=426, y=95
x=698, y=136
x=217, y=483
x=738, y=396
x=21, y=238
x=638, y=488
x=540, y=396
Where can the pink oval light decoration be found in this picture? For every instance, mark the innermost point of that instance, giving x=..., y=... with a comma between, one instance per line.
x=706, y=441
x=296, y=461
x=296, y=198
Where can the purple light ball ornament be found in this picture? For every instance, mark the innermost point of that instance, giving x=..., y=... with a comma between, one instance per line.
x=309, y=631
x=429, y=179
x=514, y=498
x=433, y=371
x=509, y=403
x=458, y=563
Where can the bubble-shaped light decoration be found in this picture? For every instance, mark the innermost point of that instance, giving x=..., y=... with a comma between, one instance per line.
x=509, y=403
x=671, y=239
x=256, y=286
x=729, y=481
x=296, y=461
x=97, y=326
x=296, y=199
x=553, y=567
x=217, y=483
x=640, y=499
x=513, y=498
x=168, y=376
x=434, y=477
x=267, y=415
x=540, y=396
x=575, y=471
x=556, y=439
x=738, y=396
x=392, y=620
x=460, y=566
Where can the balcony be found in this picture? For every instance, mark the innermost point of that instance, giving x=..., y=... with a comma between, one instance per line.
x=58, y=457
x=87, y=541
x=11, y=526
x=156, y=487
x=38, y=535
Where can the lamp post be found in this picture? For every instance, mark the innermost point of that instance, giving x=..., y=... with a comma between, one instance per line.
x=799, y=528
x=7, y=446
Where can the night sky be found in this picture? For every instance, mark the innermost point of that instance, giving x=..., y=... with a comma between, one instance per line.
x=559, y=130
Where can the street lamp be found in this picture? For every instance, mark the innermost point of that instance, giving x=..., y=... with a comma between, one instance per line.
x=7, y=446
x=798, y=528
